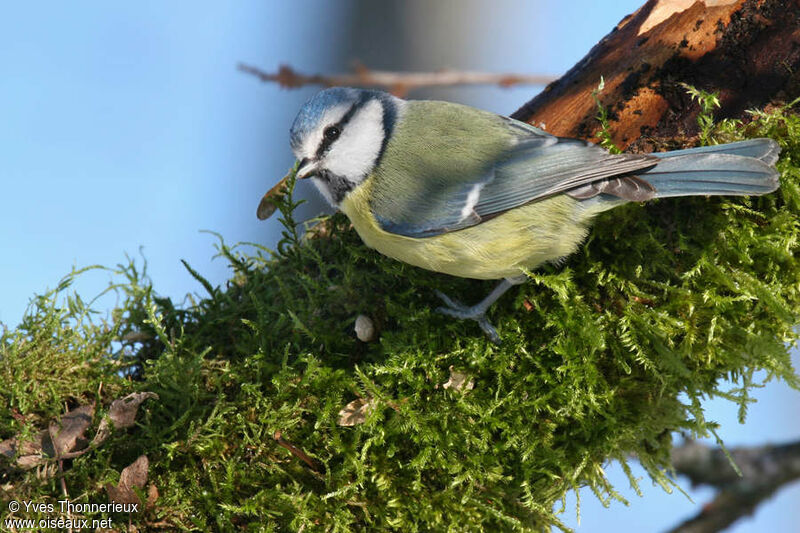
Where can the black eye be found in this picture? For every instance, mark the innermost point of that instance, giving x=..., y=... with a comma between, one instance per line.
x=332, y=133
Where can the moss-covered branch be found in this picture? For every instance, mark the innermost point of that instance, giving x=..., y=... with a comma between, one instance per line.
x=272, y=415
x=664, y=301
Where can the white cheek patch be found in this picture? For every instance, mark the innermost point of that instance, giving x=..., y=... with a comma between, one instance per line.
x=354, y=153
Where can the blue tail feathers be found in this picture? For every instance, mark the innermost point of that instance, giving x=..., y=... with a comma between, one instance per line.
x=740, y=168
x=765, y=150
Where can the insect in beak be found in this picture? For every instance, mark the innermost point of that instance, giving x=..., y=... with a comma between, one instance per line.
x=267, y=206
x=305, y=169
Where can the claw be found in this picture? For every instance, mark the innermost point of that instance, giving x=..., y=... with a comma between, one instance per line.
x=490, y=330
x=478, y=312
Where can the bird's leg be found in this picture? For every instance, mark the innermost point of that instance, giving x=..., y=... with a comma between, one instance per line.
x=478, y=311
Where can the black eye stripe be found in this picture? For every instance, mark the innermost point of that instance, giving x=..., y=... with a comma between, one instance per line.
x=326, y=143
x=328, y=140
x=332, y=133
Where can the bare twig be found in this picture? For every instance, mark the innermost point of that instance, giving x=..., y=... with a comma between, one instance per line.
x=297, y=452
x=764, y=469
x=395, y=82
x=53, y=433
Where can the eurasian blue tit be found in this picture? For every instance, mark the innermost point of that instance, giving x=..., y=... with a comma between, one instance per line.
x=466, y=192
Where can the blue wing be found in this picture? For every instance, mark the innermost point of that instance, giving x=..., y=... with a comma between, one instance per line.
x=531, y=166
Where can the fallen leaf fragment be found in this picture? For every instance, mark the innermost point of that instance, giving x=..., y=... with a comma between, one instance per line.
x=459, y=381
x=355, y=412
x=133, y=475
x=123, y=411
x=121, y=414
x=68, y=433
x=65, y=438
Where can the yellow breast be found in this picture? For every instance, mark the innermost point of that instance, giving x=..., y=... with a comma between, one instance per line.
x=524, y=237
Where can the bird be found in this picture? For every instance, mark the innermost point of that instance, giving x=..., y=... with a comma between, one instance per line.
x=470, y=193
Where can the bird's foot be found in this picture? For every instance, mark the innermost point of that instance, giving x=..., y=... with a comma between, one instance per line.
x=476, y=312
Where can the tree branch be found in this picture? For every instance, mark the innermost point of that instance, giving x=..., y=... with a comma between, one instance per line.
x=745, y=50
x=395, y=82
x=765, y=469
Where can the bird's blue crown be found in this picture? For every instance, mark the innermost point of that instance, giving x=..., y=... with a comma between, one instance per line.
x=312, y=111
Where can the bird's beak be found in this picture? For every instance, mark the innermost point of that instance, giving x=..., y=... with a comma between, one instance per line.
x=306, y=168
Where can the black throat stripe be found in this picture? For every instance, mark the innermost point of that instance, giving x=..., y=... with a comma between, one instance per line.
x=337, y=185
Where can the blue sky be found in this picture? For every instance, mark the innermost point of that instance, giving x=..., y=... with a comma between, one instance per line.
x=127, y=125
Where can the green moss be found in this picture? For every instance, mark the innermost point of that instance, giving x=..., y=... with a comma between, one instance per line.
x=604, y=136
x=612, y=353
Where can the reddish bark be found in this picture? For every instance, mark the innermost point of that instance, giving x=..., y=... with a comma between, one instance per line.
x=747, y=50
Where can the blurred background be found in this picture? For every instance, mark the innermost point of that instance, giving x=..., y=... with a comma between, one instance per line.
x=127, y=126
